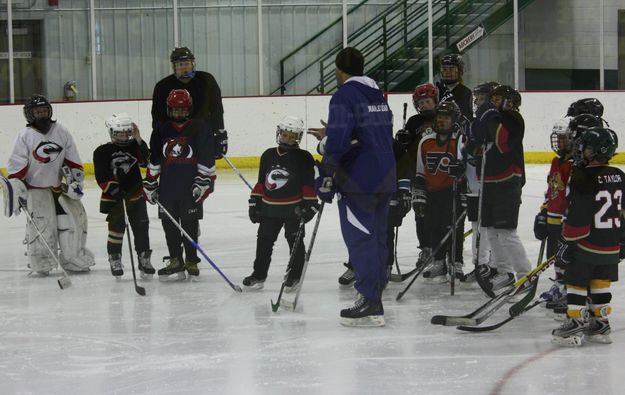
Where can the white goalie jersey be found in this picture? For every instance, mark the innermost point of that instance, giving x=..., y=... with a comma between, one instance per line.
x=37, y=158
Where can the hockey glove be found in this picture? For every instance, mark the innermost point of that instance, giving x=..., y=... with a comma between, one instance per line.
x=565, y=252
x=419, y=197
x=113, y=190
x=150, y=190
x=403, y=138
x=201, y=188
x=254, y=208
x=540, y=225
x=324, y=185
x=221, y=143
x=456, y=168
x=307, y=210
x=73, y=190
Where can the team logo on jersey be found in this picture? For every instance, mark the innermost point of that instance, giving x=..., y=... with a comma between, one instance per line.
x=47, y=151
x=447, y=96
x=177, y=150
x=122, y=161
x=438, y=161
x=276, y=178
x=556, y=185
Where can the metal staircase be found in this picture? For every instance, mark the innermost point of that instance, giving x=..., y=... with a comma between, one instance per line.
x=395, y=42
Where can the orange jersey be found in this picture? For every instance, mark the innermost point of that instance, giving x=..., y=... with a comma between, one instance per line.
x=433, y=162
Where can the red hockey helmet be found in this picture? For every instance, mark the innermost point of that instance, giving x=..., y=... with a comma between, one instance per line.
x=179, y=104
x=424, y=91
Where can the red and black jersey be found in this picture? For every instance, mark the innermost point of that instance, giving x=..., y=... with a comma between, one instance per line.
x=179, y=153
x=117, y=166
x=555, y=197
x=285, y=179
x=433, y=159
x=504, y=159
x=594, y=214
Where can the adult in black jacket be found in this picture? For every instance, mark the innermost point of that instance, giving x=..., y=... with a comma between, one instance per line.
x=204, y=91
x=451, y=88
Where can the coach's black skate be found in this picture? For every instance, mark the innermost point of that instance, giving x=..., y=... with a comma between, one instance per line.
x=424, y=257
x=175, y=266
x=363, y=313
x=436, y=273
x=349, y=276
x=598, y=330
x=145, y=266
x=192, y=270
x=253, y=283
x=570, y=333
x=115, y=260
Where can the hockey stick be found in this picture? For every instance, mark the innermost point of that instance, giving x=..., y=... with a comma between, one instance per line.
x=140, y=290
x=197, y=247
x=64, y=281
x=396, y=277
x=237, y=172
x=434, y=251
x=467, y=233
x=289, y=267
x=478, y=277
x=308, y=252
x=451, y=267
x=480, y=314
x=519, y=307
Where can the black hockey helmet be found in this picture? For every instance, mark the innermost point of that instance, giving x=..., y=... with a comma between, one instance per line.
x=453, y=59
x=180, y=54
x=485, y=88
x=583, y=122
x=450, y=109
x=447, y=62
x=602, y=141
x=510, y=95
x=589, y=105
x=36, y=101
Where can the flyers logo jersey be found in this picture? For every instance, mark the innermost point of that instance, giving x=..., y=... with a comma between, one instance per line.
x=433, y=162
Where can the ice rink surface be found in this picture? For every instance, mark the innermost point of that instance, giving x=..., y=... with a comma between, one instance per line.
x=99, y=337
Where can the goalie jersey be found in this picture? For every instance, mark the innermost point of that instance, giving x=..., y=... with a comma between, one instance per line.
x=594, y=214
x=285, y=178
x=37, y=158
x=118, y=167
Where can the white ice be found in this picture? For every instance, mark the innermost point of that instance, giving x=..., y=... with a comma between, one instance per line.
x=99, y=337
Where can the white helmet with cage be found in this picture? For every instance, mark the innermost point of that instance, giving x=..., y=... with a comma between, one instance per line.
x=120, y=128
x=561, y=136
x=290, y=131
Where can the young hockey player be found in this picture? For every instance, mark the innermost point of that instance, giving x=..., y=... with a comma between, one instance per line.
x=182, y=155
x=43, y=152
x=590, y=239
x=116, y=166
x=283, y=196
x=437, y=170
x=501, y=126
x=451, y=87
x=548, y=222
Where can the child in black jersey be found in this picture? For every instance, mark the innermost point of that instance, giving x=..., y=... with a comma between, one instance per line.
x=591, y=239
x=116, y=166
x=283, y=196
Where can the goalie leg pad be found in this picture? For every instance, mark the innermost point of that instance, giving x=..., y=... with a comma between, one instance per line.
x=72, y=228
x=40, y=204
x=13, y=190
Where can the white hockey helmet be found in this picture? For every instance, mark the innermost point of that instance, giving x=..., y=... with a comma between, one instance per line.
x=561, y=136
x=290, y=131
x=120, y=128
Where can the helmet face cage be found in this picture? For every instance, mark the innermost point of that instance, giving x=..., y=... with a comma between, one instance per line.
x=289, y=131
x=179, y=105
x=37, y=102
x=561, y=137
x=120, y=129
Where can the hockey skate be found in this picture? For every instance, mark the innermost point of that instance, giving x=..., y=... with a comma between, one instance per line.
x=570, y=333
x=501, y=280
x=363, y=313
x=424, y=257
x=598, y=330
x=486, y=272
x=174, y=266
x=291, y=285
x=558, y=310
x=145, y=266
x=349, y=276
x=436, y=273
x=253, y=283
x=192, y=270
x=117, y=269
x=459, y=273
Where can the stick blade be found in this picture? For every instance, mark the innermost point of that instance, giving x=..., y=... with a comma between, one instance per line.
x=64, y=282
x=274, y=306
x=140, y=290
x=237, y=288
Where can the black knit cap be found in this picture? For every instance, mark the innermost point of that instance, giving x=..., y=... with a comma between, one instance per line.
x=349, y=60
